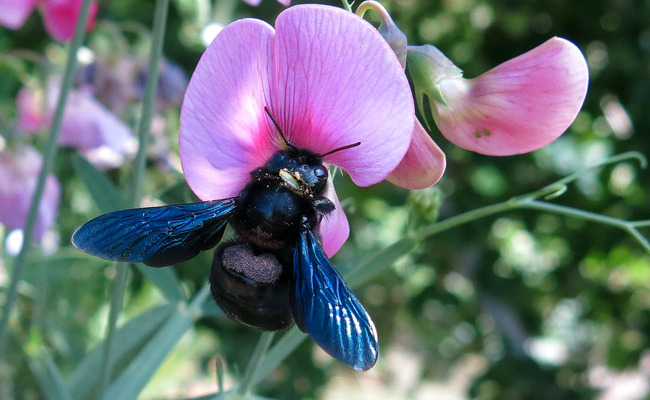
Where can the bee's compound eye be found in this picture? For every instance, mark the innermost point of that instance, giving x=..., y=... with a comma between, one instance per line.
x=320, y=172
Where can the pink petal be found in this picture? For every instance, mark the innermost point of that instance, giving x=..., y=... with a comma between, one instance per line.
x=13, y=13
x=30, y=109
x=519, y=106
x=253, y=3
x=224, y=131
x=18, y=174
x=334, y=228
x=87, y=124
x=423, y=164
x=60, y=17
x=112, y=80
x=338, y=82
x=285, y=3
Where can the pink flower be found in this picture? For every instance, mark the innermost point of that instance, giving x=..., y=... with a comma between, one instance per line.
x=172, y=83
x=59, y=16
x=97, y=133
x=13, y=13
x=18, y=174
x=516, y=107
x=329, y=79
x=111, y=79
x=31, y=111
x=88, y=126
x=256, y=3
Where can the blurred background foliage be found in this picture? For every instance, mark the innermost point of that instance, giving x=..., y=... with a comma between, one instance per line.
x=522, y=305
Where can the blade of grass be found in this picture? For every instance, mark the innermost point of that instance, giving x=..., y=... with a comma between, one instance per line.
x=48, y=376
x=48, y=160
x=117, y=297
x=165, y=280
x=285, y=346
x=135, y=377
x=107, y=197
x=129, y=339
x=259, y=353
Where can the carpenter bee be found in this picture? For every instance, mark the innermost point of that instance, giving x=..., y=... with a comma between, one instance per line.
x=274, y=272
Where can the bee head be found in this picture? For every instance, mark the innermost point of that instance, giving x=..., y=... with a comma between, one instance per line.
x=301, y=170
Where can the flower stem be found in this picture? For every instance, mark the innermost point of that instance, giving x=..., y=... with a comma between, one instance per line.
x=466, y=217
x=260, y=350
x=375, y=6
x=558, y=187
x=48, y=161
x=144, y=125
x=117, y=301
x=628, y=226
x=117, y=296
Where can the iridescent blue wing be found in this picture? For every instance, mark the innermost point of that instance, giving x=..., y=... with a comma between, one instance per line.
x=325, y=308
x=156, y=236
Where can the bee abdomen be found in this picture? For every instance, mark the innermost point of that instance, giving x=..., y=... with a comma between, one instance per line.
x=251, y=288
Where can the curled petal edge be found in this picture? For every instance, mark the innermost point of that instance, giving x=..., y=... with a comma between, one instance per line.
x=423, y=165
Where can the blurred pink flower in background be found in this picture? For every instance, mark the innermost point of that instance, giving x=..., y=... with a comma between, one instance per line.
x=97, y=133
x=256, y=3
x=302, y=71
x=30, y=104
x=172, y=83
x=19, y=169
x=111, y=79
x=118, y=81
x=59, y=16
x=517, y=107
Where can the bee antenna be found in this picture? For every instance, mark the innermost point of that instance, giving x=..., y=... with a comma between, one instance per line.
x=288, y=143
x=347, y=146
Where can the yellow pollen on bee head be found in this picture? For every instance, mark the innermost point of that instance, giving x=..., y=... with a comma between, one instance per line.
x=289, y=179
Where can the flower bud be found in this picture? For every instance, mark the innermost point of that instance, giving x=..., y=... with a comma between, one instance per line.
x=514, y=108
x=427, y=67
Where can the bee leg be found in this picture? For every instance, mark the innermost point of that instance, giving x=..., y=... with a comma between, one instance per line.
x=323, y=205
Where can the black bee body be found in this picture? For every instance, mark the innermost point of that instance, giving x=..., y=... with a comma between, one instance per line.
x=281, y=198
x=250, y=277
x=274, y=272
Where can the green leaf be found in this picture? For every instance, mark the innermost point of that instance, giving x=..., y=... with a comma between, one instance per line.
x=229, y=395
x=128, y=340
x=376, y=264
x=166, y=281
x=212, y=310
x=285, y=346
x=107, y=197
x=48, y=376
x=138, y=373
